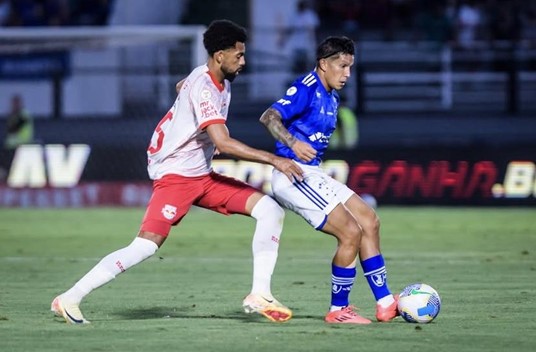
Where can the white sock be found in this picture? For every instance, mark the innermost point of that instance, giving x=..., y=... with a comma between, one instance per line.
x=110, y=266
x=386, y=301
x=265, y=246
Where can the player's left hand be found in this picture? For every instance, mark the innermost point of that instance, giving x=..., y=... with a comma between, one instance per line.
x=289, y=168
x=304, y=151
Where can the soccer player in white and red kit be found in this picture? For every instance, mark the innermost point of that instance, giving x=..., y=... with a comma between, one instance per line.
x=179, y=161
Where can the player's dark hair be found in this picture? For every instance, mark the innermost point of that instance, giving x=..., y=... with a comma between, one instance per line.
x=334, y=45
x=223, y=34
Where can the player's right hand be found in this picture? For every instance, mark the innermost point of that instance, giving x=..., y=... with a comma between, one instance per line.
x=289, y=168
x=304, y=151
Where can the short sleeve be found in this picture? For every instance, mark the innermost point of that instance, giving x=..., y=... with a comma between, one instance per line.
x=206, y=103
x=294, y=102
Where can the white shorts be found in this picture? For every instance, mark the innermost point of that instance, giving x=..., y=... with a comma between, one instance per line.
x=313, y=198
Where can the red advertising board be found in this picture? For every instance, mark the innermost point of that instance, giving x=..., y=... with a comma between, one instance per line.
x=79, y=176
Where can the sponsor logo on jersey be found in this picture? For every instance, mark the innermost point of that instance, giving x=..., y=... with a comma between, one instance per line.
x=207, y=109
x=319, y=137
x=169, y=211
x=283, y=102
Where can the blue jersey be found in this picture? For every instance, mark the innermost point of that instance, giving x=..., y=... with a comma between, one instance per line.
x=309, y=113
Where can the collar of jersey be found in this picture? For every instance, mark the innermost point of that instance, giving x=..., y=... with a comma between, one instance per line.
x=321, y=85
x=215, y=81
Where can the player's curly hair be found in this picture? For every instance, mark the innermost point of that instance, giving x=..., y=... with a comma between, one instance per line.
x=334, y=45
x=223, y=34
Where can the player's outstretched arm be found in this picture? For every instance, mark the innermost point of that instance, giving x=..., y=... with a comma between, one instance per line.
x=219, y=134
x=271, y=119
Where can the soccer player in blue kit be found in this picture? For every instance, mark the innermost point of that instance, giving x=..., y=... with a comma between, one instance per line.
x=302, y=123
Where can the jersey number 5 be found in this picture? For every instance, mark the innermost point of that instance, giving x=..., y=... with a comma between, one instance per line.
x=160, y=139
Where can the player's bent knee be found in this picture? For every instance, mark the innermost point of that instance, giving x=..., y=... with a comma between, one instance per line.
x=268, y=207
x=276, y=209
x=349, y=234
x=372, y=227
x=375, y=224
x=356, y=234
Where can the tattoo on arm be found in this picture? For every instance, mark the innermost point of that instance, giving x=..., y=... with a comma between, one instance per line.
x=271, y=119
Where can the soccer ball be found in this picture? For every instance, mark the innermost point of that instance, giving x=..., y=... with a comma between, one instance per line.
x=419, y=303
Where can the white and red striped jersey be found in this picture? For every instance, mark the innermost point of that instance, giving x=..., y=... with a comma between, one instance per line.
x=180, y=144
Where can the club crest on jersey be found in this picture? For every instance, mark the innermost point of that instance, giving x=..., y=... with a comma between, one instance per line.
x=291, y=91
x=206, y=94
x=169, y=211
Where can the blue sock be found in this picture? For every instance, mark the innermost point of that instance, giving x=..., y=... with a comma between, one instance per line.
x=342, y=280
x=376, y=275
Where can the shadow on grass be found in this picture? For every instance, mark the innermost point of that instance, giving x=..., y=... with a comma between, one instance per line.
x=175, y=312
x=190, y=313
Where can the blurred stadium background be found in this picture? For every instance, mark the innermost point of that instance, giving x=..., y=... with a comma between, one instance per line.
x=444, y=93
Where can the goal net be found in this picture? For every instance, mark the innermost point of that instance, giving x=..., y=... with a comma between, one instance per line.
x=95, y=95
x=96, y=71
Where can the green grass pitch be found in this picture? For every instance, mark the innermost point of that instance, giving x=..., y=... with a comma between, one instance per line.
x=187, y=297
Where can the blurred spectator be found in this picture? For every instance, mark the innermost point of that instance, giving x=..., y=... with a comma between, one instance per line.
x=346, y=134
x=468, y=24
x=300, y=37
x=33, y=13
x=19, y=125
x=470, y=20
